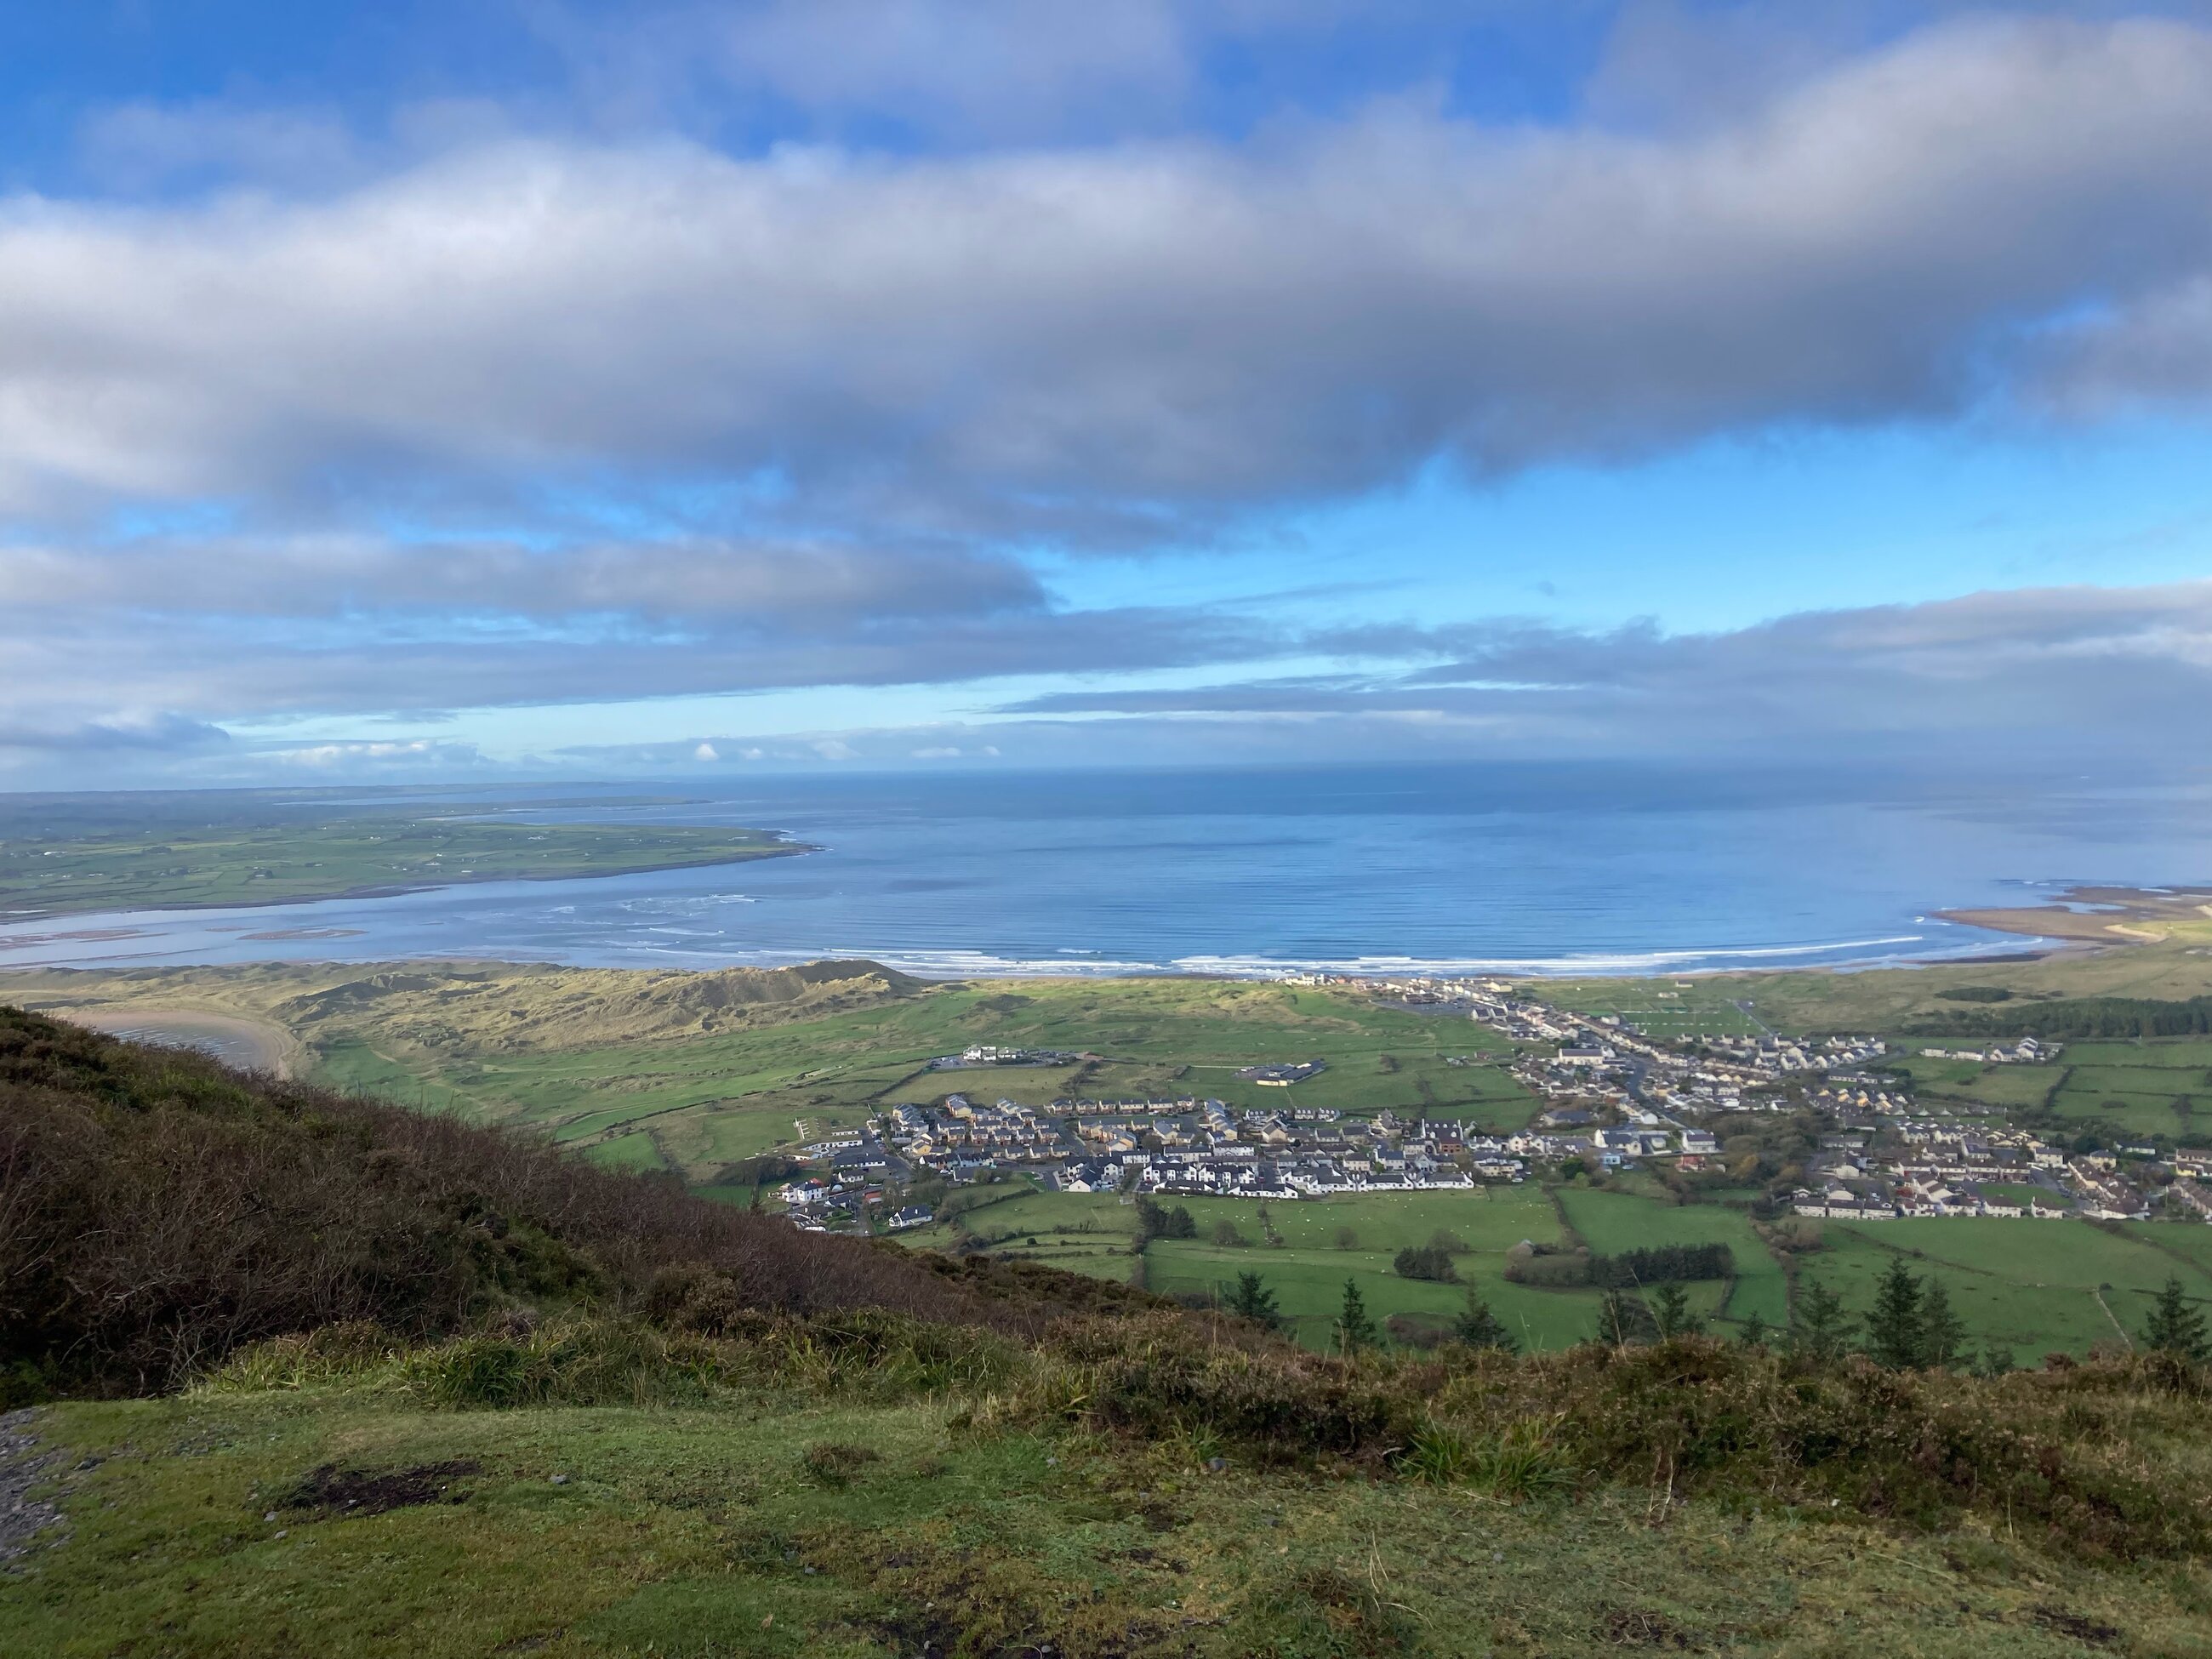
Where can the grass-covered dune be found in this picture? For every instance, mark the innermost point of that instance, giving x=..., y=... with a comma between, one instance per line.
x=317, y=1374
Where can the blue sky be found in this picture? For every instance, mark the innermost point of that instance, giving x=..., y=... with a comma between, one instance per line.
x=512, y=387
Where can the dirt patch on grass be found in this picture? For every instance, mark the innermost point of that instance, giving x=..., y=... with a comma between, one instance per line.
x=1640, y=1627
x=2074, y=1625
x=829, y=1464
x=23, y=1465
x=336, y=1492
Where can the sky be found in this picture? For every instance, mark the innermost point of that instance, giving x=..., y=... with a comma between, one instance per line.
x=457, y=389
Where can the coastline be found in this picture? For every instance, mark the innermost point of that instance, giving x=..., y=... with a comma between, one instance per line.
x=2095, y=918
x=400, y=890
x=251, y=1044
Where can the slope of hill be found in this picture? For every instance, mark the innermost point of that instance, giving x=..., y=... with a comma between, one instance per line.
x=409, y=1388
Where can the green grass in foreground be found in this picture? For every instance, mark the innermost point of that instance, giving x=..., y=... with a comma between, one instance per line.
x=702, y=1531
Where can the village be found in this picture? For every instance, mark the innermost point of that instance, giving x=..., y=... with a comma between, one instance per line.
x=1612, y=1099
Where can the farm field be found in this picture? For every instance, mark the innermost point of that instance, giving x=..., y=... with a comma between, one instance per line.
x=1091, y=1232
x=1081, y=1232
x=591, y=1056
x=1960, y=1083
x=696, y=1073
x=2146, y=1089
x=1310, y=1285
x=2033, y=1286
x=1612, y=1223
x=1702, y=1006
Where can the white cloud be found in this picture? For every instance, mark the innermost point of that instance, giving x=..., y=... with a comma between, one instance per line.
x=706, y=751
x=415, y=756
x=1084, y=339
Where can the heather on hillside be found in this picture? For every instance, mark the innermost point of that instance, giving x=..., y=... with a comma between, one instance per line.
x=158, y=1210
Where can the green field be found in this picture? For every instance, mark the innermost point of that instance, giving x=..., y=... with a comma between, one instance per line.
x=591, y=1056
x=2143, y=1090
x=1704, y=1007
x=2033, y=1286
x=266, y=849
x=1965, y=1085
x=635, y=1070
x=1613, y=1223
x=1307, y=1271
x=2007, y=1192
x=707, y=1099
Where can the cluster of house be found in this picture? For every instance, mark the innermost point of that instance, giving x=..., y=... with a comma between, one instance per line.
x=991, y=1053
x=2028, y=1051
x=1193, y=1145
x=1615, y=1097
x=1282, y=1077
x=1852, y=1103
x=1932, y=1167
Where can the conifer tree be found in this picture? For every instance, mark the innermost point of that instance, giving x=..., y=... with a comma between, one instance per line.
x=1753, y=1334
x=1479, y=1328
x=1355, y=1329
x=1943, y=1333
x=1251, y=1298
x=1897, y=1329
x=2175, y=1328
x=1670, y=1312
x=1994, y=1361
x=1819, y=1327
x=1623, y=1318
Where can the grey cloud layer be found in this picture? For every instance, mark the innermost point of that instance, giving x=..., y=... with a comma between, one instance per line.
x=2111, y=682
x=2114, y=675
x=1059, y=340
x=116, y=644
x=713, y=583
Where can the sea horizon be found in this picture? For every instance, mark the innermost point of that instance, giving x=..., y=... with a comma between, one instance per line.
x=1252, y=873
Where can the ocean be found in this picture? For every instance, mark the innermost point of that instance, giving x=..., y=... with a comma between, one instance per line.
x=1529, y=869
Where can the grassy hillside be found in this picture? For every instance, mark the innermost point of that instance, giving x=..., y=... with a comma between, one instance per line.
x=160, y=1210
x=406, y=1386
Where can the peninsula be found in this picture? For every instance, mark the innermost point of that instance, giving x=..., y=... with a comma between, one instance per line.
x=78, y=854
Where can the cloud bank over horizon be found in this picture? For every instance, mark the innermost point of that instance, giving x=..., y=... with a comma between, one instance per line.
x=1016, y=366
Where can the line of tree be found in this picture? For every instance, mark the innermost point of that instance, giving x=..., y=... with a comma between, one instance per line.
x=1156, y=1220
x=1912, y=1325
x=1662, y=1264
x=2072, y=1018
x=1429, y=1261
x=1631, y=1270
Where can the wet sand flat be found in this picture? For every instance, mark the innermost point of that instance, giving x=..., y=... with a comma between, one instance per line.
x=250, y=1044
